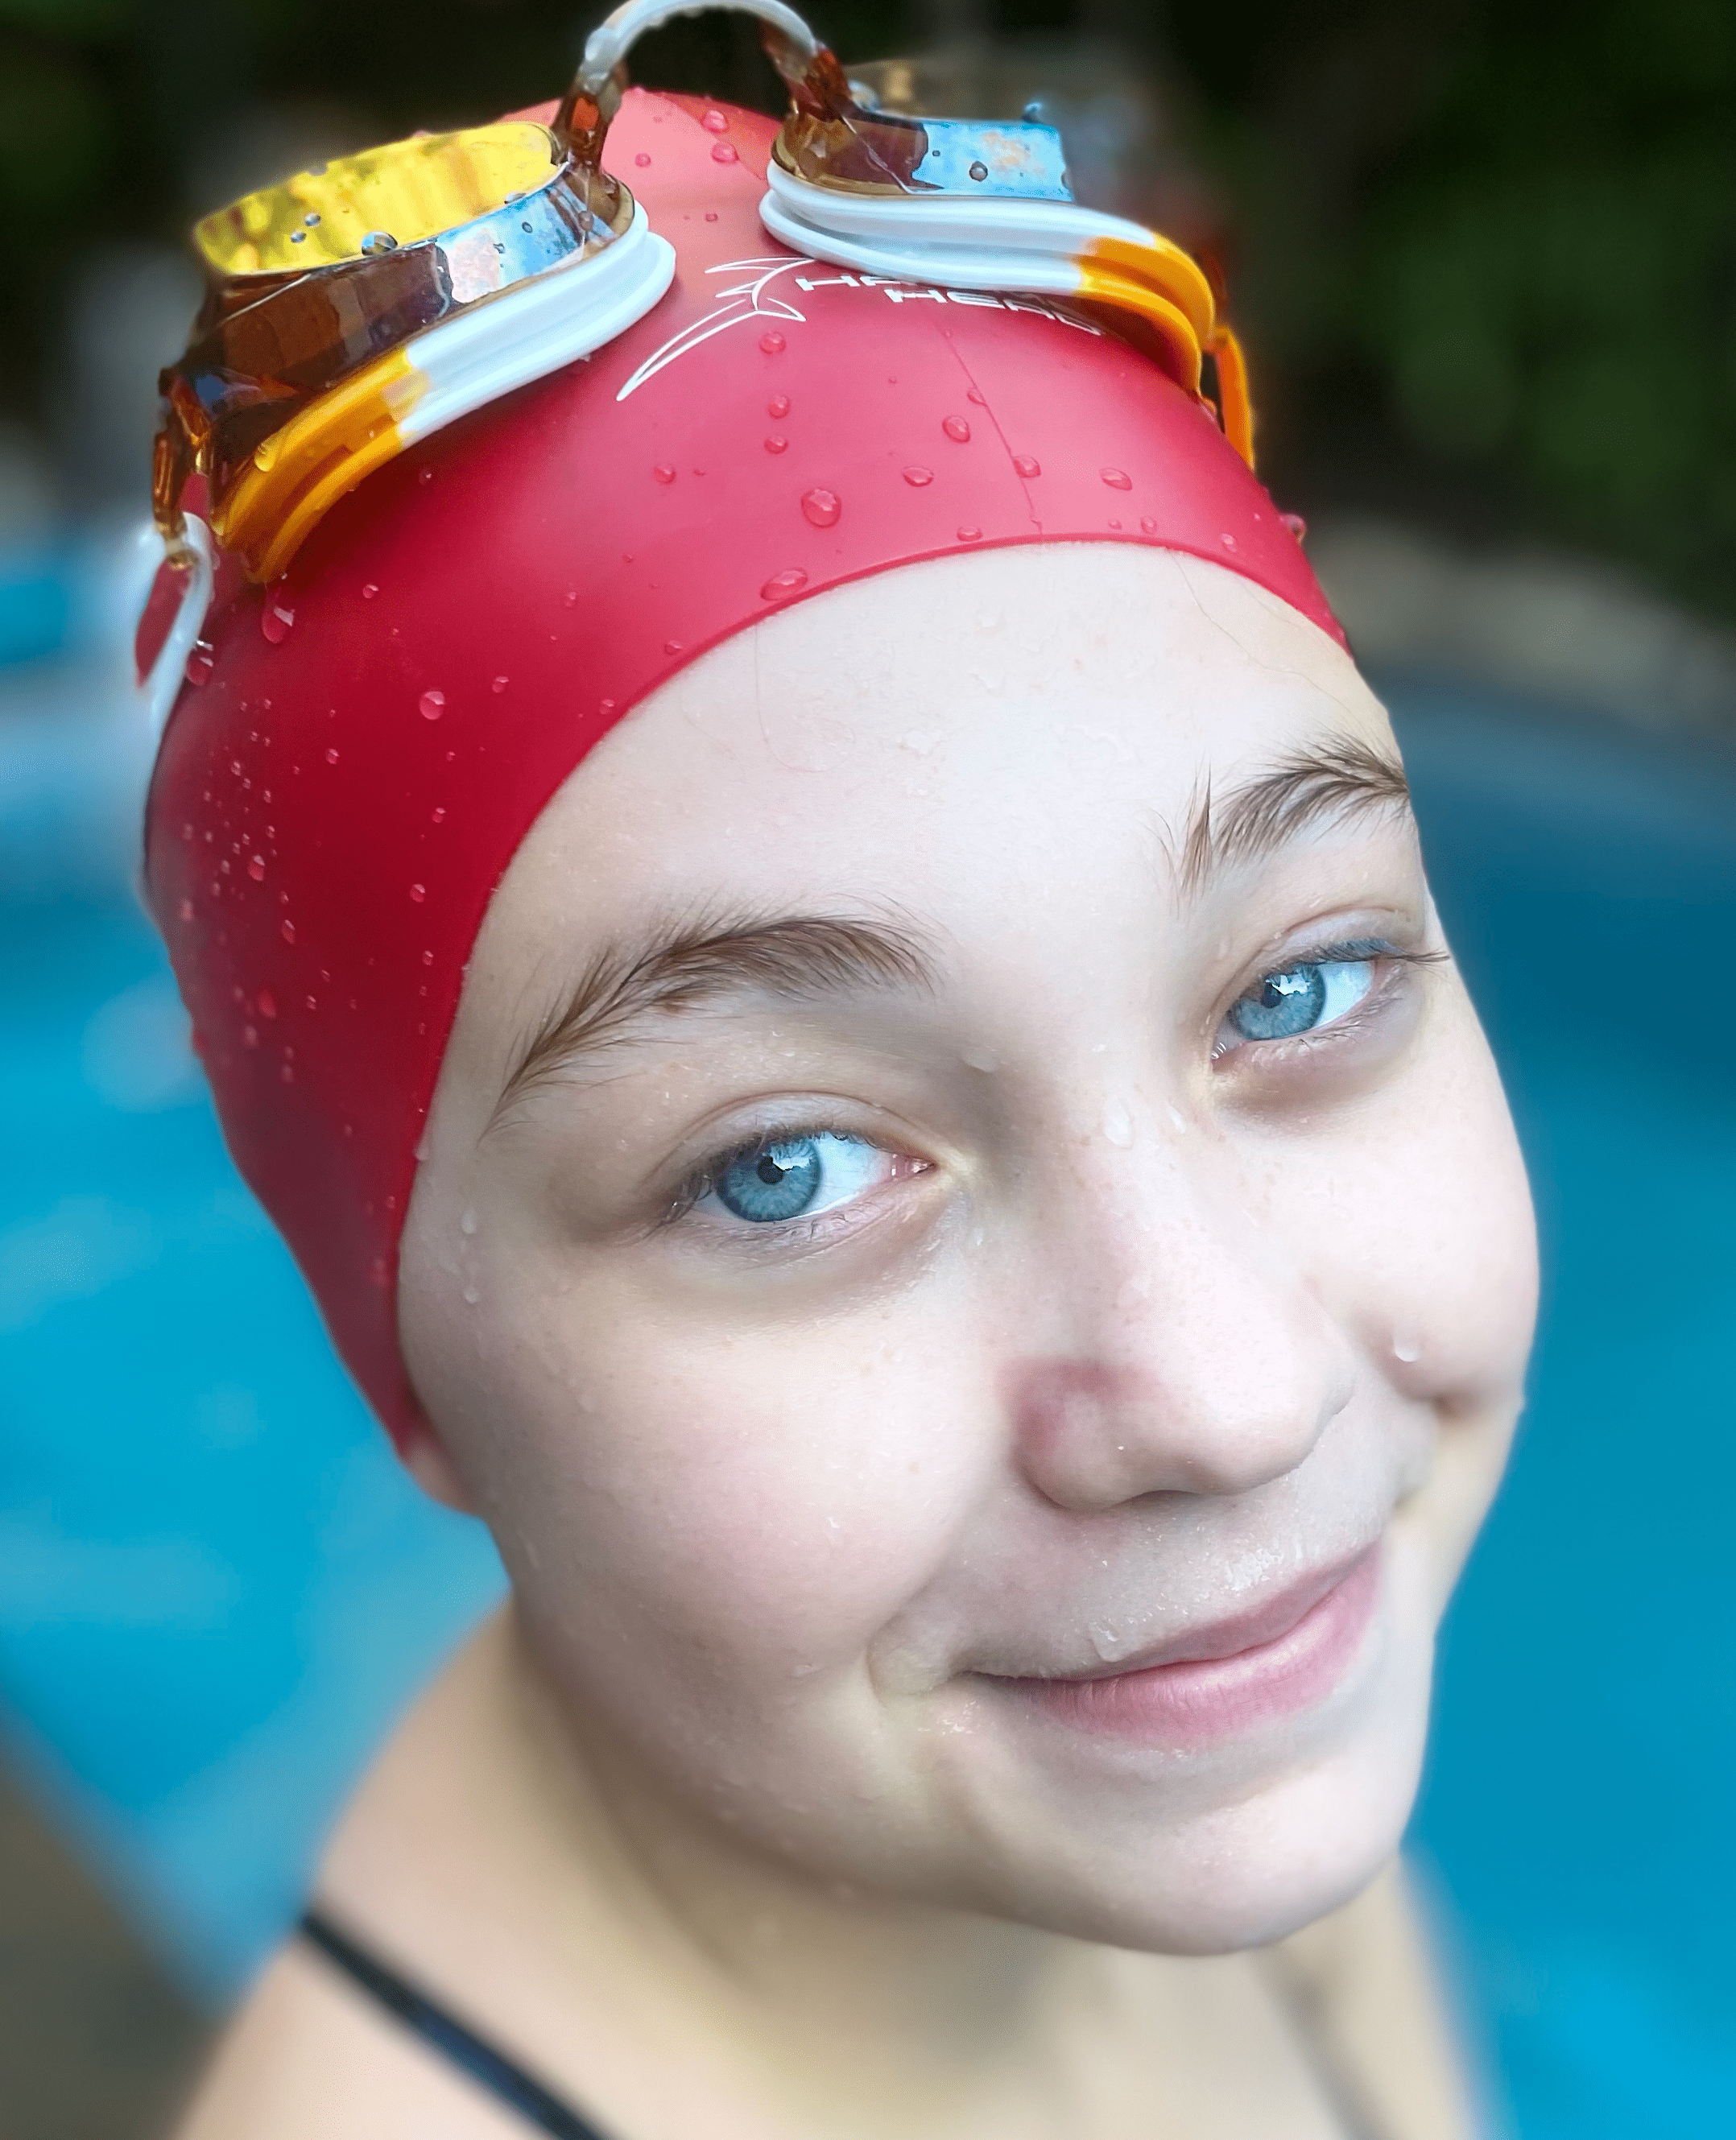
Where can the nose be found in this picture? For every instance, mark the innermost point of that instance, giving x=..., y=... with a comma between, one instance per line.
x=1195, y=1355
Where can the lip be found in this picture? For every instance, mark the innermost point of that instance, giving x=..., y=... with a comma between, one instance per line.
x=1220, y=1681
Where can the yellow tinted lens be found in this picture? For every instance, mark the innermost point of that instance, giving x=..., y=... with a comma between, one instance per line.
x=404, y=193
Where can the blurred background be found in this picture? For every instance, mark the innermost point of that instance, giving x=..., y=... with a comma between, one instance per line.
x=1484, y=257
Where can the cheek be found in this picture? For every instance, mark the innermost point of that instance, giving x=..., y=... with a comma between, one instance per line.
x=1415, y=1218
x=733, y=1507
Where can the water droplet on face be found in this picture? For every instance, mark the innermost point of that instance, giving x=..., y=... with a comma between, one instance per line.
x=663, y=472
x=467, y=1222
x=275, y=621
x=1025, y=465
x=969, y=534
x=778, y=406
x=776, y=446
x=287, y=932
x=978, y=172
x=1108, y=1642
x=419, y=892
x=1407, y=1347
x=1177, y=1119
x=256, y=868
x=921, y=741
x=956, y=429
x=771, y=343
x=499, y=684
x=715, y=121
x=1117, y=479
x=723, y=152
x=918, y=477
x=1118, y=1124
x=783, y=583
x=642, y=161
x=379, y=241
x=981, y=1058
x=432, y=705
x=331, y=754
x=471, y=1296
x=821, y=508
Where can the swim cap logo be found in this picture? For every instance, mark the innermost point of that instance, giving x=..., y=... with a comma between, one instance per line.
x=754, y=299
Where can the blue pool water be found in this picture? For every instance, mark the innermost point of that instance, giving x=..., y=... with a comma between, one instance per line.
x=216, y=1589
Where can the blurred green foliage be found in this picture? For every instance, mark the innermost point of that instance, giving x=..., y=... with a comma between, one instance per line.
x=1486, y=248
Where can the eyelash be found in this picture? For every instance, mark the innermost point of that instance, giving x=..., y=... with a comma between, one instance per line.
x=794, y=1128
x=1354, y=950
x=705, y=1177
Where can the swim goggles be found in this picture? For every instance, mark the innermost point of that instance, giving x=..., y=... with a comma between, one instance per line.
x=365, y=303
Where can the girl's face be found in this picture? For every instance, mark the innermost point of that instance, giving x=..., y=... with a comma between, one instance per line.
x=971, y=1252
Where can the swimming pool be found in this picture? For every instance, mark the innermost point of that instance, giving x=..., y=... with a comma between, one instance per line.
x=216, y=1588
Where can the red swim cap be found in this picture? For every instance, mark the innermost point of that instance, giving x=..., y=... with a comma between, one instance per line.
x=357, y=757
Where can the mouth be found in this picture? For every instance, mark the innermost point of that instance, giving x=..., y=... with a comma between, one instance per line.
x=1218, y=1681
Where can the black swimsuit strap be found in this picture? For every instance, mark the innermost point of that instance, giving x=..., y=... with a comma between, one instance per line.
x=429, y=2020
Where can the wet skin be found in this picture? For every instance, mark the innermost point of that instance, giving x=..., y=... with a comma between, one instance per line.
x=1129, y=1326
x=971, y=1254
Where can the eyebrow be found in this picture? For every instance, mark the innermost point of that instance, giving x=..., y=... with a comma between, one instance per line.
x=1339, y=779
x=800, y=958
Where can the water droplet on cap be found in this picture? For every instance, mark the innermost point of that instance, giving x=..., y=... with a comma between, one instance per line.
x=956, y=429
x=369, y=591
x=778, y=406
x=776, y=446
x=969, y=534
x=287, y=930
x=437, y=816
x=822, y=508
x=783, y=583
x=185, y=910
x=723, y=152
x=256, y=868
x=1148, y=525
x=331, y=754
x=771, y=343
x=663, y=472
x=499, y=684
x=1295, y=523
x=419, y=892
x=198, y=667
x=1117, y=479
x=268, y=1004
x=1229, y=542
x=275, y=621
x=974, y=394
x=1024, y=465
x=917, y=477
x=642, y=160
x=715, y=121
x=432, y=705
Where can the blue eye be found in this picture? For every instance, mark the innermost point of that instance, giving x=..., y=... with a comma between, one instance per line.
x=1300, y=1000
x=794, y=1178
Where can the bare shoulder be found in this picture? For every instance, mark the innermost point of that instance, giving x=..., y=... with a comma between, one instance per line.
x=306, y=2055
x=1368, y=1980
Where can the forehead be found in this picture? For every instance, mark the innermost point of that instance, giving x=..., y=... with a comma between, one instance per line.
x=1032, y=715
